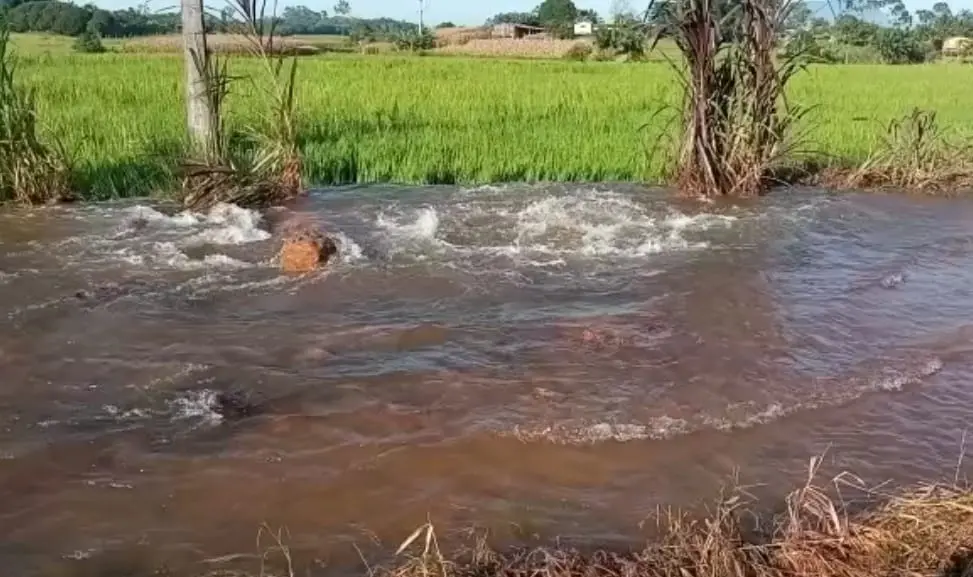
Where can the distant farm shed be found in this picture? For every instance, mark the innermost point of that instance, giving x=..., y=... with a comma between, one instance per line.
x=584, y=28
x=957, y=46
x=515, y=30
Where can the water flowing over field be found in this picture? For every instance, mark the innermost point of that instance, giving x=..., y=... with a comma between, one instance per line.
x=545, y=361
x=451, y=120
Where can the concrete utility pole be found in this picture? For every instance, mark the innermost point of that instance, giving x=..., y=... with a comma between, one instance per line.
x=422, y=13
x=198, y=114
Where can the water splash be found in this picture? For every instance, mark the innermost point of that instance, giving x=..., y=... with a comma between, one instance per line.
x=543, y=231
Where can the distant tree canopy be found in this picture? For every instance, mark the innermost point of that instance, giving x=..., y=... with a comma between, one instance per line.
x=303, y=20
x=54, y=16
x=589, y=16
x=342, y=8
x=553, y=13
x=73, y=20
x=527, y=18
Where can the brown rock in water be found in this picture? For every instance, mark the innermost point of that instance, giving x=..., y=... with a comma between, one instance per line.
x=306, y=249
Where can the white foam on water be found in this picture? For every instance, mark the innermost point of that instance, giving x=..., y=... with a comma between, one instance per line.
x=222, y=224
x=893, y=280
x=607, y=224
x=149, y=238
x=196, y=405
x=229, y=224
x=411, y=232
x=746, y=415
x=169, y=255
x=547, y=230
x=141, y=215
x=349, y=251
x=659, y=428
x=899, y=380
x=79, y=555
x=125, y=414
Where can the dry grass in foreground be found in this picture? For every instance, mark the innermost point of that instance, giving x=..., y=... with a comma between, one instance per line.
x=924, y=531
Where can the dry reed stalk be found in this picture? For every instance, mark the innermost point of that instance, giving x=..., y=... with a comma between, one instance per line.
x=736, y=120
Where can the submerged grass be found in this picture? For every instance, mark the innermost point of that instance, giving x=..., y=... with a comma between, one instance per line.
x=443, y=120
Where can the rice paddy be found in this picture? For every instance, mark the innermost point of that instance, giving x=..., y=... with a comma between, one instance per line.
x=410, y=119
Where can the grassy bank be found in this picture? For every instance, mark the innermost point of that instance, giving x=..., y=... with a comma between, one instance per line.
x=925, y=530
x=928, y=532
x=423, y=120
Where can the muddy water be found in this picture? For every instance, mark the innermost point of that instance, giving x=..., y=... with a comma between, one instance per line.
x=540, y=361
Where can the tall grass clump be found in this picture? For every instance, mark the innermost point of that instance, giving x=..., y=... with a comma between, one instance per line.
x=926, y=530
x=736, y=119
x=31, y=172
x=263, y=167
x=916, y=154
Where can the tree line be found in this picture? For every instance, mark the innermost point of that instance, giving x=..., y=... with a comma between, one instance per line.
x=69, y=19
x=906, y=36
x=72, y=20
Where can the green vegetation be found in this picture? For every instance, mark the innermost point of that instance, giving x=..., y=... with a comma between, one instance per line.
x=261, y=164
x=415, y=120
x=916, y=155
x=911, y=39
x=71, y=19
x=736, y=122
x=88, y=43
x=31, y=172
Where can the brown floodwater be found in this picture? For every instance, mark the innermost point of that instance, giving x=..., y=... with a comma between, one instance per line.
x=545, y=362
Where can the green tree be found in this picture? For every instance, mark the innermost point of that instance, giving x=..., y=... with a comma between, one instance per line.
x=299, y=20
x=798, y=18
x=627, y=36
x=71, y=21
x=88, y=43
x=342, y=8
x=102, y=23
x=589, y=16
x=855, y=31
x=527, y=18
x=897, y=46
x=901, y=16
x=558, y=16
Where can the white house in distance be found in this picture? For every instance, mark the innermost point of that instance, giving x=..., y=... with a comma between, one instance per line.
x=584, y=28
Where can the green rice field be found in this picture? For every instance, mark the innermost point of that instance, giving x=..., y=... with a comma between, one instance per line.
x=412, y=119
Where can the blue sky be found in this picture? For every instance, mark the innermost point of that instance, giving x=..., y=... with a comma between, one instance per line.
x=459, y=11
